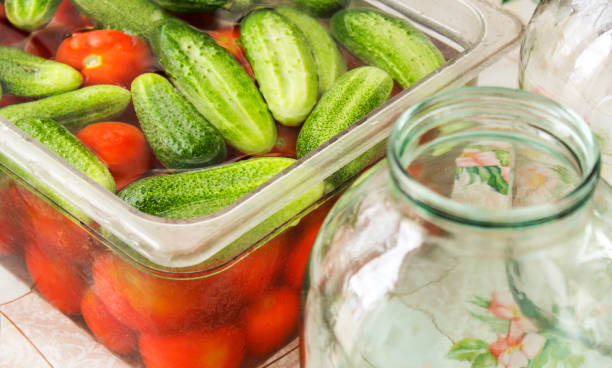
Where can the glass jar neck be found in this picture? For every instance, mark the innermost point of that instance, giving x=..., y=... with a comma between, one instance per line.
x=508, y=117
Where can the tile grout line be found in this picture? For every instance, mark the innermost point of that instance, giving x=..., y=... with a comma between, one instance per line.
x=27, y=339
x=18, y=298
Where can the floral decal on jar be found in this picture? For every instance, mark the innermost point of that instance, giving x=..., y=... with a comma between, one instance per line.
x=520, y=344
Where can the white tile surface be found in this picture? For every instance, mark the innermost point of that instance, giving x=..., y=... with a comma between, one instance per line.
x=15, y=350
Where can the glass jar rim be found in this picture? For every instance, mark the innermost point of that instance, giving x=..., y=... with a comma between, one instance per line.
x=407, y=127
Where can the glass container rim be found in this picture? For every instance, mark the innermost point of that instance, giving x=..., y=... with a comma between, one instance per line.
x=444, y=207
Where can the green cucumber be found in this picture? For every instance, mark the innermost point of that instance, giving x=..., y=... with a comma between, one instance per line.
x=329, y=59
x=185, y=6
x=218, y=87
x=387, y=42
x=321, y=8
x=353, y=95
x=30, y=15
x=60, y=141
x=283, y=65
x=75, y=108
x=26, y=75
x=201, y=192
x=136, y=17
x=178, y=134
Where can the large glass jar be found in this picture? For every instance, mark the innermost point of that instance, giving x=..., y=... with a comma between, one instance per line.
x=484, y=240
x=567, y=55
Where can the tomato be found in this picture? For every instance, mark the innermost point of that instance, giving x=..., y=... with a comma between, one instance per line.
x=148, y=303
x=228, y=38
x=10, y=35
x=305, y=235
x=106, y=56
x=122, y=147
x=44, y=43
x=255, y=273
x=271, y=320
x=12, y=217
x=286, y=141
x=67, y=14
x=55, y=233
x=58, y=280
x=12, y=100
x=219, y=348
x=113, y=334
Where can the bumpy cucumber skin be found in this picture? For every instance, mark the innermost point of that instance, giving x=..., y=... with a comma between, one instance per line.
x=179, y=135
x=136, y=17
x=218, y=87
x=26, y=75
x=75, y=108
x=283, y=65
x=201, y=192
x=386, y=42
x=330, y=61
x=184, y=6
x=30, y=15
x=321, y=8
x=60, y=141
x=352, y=96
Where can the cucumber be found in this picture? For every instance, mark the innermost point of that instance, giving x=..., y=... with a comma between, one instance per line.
x=218, y=87
x=75, y=108
x=60, y=141
x=283, y=65
x=330, y=61
x=387, y=42
x=185, y=6
x=351, y=97
x=136, y=17
x=178, y=134
x=321, y=8
x=201, y=192
x=30, y=15
x=26, y=75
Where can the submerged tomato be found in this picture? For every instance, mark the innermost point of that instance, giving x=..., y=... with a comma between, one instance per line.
x=113, y=334
x=148, y=303
x=106, y=56
x=122, y=147
x=219, y=348
x=271, y=320
x=67, y=14
x=58, y=280
x=228, y=38
x=55, y=233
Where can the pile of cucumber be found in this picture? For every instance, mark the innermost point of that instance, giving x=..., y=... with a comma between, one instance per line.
x=205, y=98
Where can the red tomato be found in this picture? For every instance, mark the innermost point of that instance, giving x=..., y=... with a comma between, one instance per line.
x=270, y=321
x=12, y=100
x=10, y=35
x=66, y=14
x=255, y=273
x=228, y=38
x=113, y=334
x=286, y=141
x=55, y=233
x=122, y=147
x=305, y=235
x=58, y=280
x=11, y=217
x=220, y=348
x=44, y=43
x=152, y=304
x=106, y=56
